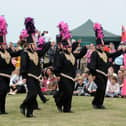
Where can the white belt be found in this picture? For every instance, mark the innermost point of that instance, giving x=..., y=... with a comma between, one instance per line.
x=101, y=72
x=67, y=76
x=35, y=77
x=5, y=75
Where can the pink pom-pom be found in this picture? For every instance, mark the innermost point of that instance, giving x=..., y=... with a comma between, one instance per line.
x=24, y=34
x=3, y=26
x=41, y=40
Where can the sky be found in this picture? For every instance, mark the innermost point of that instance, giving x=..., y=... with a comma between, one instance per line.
x=48, y=13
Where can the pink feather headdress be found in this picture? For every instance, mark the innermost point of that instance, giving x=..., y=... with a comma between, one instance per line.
x=3, y=26
x=64, y=31
x=98, y=31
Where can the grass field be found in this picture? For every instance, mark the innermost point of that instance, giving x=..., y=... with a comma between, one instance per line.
x=84, y=114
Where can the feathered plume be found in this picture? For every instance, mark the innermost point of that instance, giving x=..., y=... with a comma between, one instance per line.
x=123, y=36
x=3, y=26
x=64, y=31
x=98, y=31
x=29, y=25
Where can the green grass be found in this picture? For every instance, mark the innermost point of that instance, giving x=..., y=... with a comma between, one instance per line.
x=84, y=114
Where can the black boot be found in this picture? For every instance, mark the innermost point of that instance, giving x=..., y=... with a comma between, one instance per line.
x=3, y=112
x=22, y=110
x=29, y=113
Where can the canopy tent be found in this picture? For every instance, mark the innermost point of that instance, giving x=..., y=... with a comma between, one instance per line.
x=86, y=33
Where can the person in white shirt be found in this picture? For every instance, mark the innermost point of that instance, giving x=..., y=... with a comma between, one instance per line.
x=17, y=84
x=113, y=87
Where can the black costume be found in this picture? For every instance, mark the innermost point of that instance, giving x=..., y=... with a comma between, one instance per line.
x=98, y=66
x=6, y=69
x=31, y=70
x=65, y=67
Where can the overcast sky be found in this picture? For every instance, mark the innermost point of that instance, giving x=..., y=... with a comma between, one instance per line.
x=48, y=13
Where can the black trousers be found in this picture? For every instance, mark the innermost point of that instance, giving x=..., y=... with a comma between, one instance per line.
x=41, y=95
x=63, y=97
x=4, y=88
x=2, y=101
x=30, y=102
x=101, y=82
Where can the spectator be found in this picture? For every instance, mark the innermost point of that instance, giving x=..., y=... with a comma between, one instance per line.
x=120, y=78
x=123, y=90
x=50, y=85
x=17, y=85
x=51, y=52
x=90, y=88
x=11, y=46
x=79, y=87
x=113, y=88
x=89, y=52
x=117, y=63
x=112, y=48
x=110, y=71
x=85, y=77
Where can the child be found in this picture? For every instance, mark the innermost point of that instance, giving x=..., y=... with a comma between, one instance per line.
x=79, y=87
x=113, y=88
x=90, y=87
x=17, y=84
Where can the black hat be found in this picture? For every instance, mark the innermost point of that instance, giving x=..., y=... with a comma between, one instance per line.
x=58, y=39
x=65, y=43
x=30, y=39
x=98, y=41
x=2, y=40
x=99, y=34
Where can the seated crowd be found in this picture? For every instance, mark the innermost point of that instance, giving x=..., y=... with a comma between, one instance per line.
x=84, y=81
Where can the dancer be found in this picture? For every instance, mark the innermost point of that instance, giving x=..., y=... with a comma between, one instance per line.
x=64, y=69
x=31, y=69
x=6, y=67
x=98, y=67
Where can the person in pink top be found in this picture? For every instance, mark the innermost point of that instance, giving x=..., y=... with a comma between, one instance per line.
x=124, y=57
x=123, y=90
x=89, y=52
